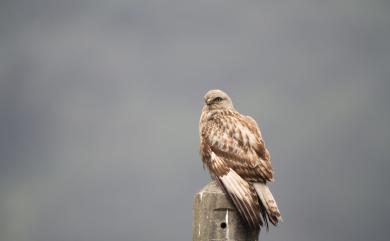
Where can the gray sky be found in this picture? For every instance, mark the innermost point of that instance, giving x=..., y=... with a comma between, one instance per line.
x=100, y=102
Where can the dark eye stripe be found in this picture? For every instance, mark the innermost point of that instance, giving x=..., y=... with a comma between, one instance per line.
x=218, y=99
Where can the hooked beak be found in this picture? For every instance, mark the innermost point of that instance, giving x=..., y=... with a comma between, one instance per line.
x=207, y=101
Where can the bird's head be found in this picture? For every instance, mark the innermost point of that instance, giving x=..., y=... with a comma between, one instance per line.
x=217, y=99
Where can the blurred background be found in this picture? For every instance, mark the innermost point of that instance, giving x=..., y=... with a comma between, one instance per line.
x=100, y=102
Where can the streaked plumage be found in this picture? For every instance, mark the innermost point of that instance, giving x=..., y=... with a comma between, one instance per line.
x=234, y=152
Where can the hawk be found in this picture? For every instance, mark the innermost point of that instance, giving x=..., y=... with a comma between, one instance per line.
x=234, y=152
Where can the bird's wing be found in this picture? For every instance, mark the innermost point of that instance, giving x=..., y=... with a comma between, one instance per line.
x=260, y=147
x=238, y=141
x=240, y=191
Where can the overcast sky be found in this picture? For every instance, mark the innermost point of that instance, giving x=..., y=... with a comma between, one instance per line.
x=100, y=102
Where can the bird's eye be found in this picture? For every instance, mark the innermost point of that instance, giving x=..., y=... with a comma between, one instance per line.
x=218, y=99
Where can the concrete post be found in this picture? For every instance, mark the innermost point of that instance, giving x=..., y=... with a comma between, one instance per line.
x=215, y=218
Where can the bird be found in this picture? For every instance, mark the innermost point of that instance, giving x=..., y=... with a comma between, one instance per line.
x=234, y=152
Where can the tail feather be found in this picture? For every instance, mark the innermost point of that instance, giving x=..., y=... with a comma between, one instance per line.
x=263, y=214
x=269, y=203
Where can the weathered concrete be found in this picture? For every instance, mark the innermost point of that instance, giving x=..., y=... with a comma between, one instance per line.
x=215, y=218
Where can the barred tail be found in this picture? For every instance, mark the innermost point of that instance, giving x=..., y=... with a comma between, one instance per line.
x=268, y=202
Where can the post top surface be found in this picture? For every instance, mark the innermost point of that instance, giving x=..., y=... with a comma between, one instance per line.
x=211, y=187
